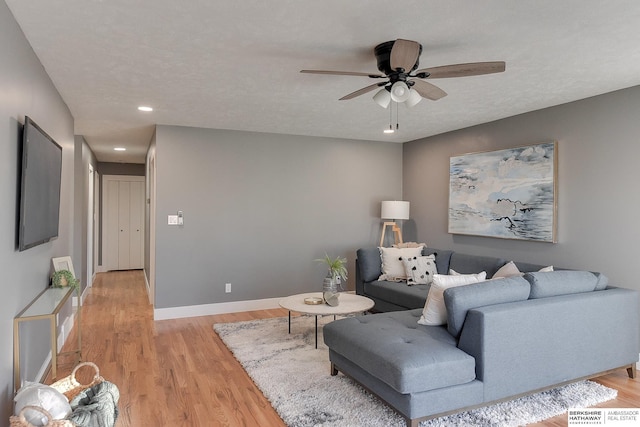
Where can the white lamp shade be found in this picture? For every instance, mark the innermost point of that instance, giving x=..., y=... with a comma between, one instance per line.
x=395, y=209
x=400, y=92
x=414, y=98
x=382, y=98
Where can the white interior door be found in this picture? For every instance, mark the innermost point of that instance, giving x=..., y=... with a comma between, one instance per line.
x=124, y=226
x=90, y=227
x=96, y=231
x=136, y=224
x=111, y=230
x=123, y=222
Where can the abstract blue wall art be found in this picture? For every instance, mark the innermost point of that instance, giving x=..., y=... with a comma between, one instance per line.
x=509, y=194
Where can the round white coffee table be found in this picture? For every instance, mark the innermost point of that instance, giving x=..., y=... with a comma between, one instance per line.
x=349, y=304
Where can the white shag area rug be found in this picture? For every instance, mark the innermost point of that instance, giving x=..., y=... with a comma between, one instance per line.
x=294, y=376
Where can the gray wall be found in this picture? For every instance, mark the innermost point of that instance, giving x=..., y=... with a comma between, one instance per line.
x=83, y=158
x=259, y=208
x=598, y=201
x=25, y=89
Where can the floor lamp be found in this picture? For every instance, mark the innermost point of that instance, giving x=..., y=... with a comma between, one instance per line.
x=393, y=210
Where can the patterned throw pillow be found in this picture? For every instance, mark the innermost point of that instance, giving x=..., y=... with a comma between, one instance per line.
x=420, y=269
x=392, y=267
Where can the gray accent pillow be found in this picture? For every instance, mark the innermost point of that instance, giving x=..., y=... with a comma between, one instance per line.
x=460, y=300
x=370, y=263
x=554, y=283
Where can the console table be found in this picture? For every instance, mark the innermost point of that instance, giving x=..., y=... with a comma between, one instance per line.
x=46, y=305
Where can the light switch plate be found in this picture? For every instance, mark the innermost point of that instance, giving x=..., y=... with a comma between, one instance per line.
x=172, y=219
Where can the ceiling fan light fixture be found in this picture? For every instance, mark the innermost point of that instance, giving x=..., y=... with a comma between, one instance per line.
x=400, y=92
x=382, y=98
x=414, y=98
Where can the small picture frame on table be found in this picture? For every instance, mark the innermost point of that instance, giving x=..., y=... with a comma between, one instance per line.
x=63, y=263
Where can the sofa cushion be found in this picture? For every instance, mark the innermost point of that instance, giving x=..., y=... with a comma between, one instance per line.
x=469, y=264
x=400, y=294
x=392, y=266
x=443, y=258
x=408, y=357
x=370, y=263
x=459, y=300
x=420, y=269
x=603, y=281
x=549, y=284
x=435, y=312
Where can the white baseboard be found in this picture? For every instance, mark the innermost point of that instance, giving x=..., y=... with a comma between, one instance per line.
x=219, y=308
x=148, y=285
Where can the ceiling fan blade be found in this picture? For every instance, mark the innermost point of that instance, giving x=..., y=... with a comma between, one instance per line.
x=362, y=91
x=464, y=70
x=343, y=73
x=427, y=90
x=404, y=54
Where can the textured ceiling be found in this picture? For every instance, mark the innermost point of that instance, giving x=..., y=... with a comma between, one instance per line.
x=235, y=65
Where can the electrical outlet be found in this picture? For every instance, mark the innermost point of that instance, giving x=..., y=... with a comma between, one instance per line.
x=227, y=288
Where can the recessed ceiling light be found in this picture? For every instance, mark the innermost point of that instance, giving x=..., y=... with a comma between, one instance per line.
x=119, y=149
x=145, y=108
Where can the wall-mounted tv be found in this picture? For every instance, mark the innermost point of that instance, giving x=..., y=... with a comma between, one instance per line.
x=41, y=176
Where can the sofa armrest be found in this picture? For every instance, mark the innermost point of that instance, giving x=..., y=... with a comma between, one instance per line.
x=533, y=344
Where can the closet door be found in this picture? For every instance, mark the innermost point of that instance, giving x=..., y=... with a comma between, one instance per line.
x=124, y=225
x=110, y=224
x=123, y=222
x=136, y=223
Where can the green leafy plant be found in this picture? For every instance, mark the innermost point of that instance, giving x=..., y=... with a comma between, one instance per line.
x=337, y=267
x=64, y=278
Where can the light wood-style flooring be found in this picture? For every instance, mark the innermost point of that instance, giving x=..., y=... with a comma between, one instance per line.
x=179, y=373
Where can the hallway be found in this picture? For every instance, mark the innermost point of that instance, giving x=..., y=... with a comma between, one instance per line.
x=171, y=372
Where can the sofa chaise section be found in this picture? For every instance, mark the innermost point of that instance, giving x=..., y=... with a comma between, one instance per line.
x=503, y=338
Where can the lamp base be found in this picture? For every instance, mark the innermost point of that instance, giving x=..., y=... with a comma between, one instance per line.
x=396, y=231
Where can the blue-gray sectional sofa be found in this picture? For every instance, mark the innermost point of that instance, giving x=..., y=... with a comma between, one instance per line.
x=503, y=338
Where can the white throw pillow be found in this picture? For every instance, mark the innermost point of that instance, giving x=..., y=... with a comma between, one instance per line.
x=546, y=269
x=420, y=269
x=435, y=312
x=392, y=266
x=508, y=270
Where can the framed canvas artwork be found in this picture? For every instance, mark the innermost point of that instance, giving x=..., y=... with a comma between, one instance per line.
x=509, y=194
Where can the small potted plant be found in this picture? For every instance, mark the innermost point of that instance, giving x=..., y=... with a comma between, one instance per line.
x=336, y=274
x=63, y=279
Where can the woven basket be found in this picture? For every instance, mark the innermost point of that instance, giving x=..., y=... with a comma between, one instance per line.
x=20, y=421
x=70, y=387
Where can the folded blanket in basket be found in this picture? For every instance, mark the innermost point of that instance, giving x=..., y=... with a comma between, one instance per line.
x=96, y=406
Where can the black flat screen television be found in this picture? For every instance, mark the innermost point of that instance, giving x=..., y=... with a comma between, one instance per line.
x=41, y=176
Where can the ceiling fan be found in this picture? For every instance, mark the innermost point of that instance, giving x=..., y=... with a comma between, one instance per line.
x=398, y=60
